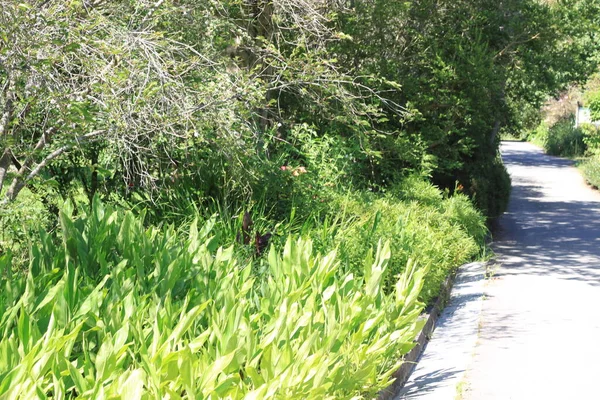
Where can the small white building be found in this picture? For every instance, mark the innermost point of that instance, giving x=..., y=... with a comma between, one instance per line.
x=583, y=116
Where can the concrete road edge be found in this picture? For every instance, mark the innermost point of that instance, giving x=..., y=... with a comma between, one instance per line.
x=437, y=364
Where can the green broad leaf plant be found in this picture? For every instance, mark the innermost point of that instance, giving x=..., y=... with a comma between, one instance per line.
x=119, y=311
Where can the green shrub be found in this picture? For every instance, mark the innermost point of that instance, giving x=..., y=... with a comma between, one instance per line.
x=490, y=188
x=539, y=135
x=593, y=100
x=591, y=138
x=421, y=224
x=565, y=140
x=591, y=170
x=561, y=139
x=420, y=221
x=17, y=220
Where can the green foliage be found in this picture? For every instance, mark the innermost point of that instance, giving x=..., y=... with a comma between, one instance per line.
x=17, y=221
x=591, y=138
x=326, y=120
x=441, y=233
x=202, y=101
x=490, y=188
x=120, y=311
x=421, y=222
x=467, y=69
x=590, y=168
x=561, y=139
x=539, y=135
x=593, y=100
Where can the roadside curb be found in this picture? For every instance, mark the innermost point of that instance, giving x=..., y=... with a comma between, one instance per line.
x=434, y=367
x=403, y=373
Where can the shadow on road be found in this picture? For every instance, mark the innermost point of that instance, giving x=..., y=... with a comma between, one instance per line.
x=547, y=232
x=539, y=329
x=428, y=383
x=550, y=237
x=529, y=159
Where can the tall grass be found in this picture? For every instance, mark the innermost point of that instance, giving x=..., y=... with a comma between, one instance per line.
x=419, y=221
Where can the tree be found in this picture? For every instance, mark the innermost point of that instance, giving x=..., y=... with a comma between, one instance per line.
x=74, y=74
x=466, y=68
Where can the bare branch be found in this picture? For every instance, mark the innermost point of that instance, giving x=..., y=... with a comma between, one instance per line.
x=60, y=151
x=4, y=165
x=19, y=182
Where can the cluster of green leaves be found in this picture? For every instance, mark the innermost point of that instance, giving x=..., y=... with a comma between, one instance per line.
x=591, y=138
x=591, y=96
x=17, y=221
x=561, y=139
x=421, y=223
x=590, y=167
x=466, y=69
x=119, y=311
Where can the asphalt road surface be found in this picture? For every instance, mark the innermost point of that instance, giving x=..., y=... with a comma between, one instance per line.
x=539, y=334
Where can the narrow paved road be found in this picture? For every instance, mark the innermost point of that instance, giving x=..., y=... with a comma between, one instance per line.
x=540, y=326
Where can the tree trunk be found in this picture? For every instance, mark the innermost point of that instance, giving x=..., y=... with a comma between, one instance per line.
x=260, y=13
x=9, y=98
x=5, y=161
x=14, y=189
